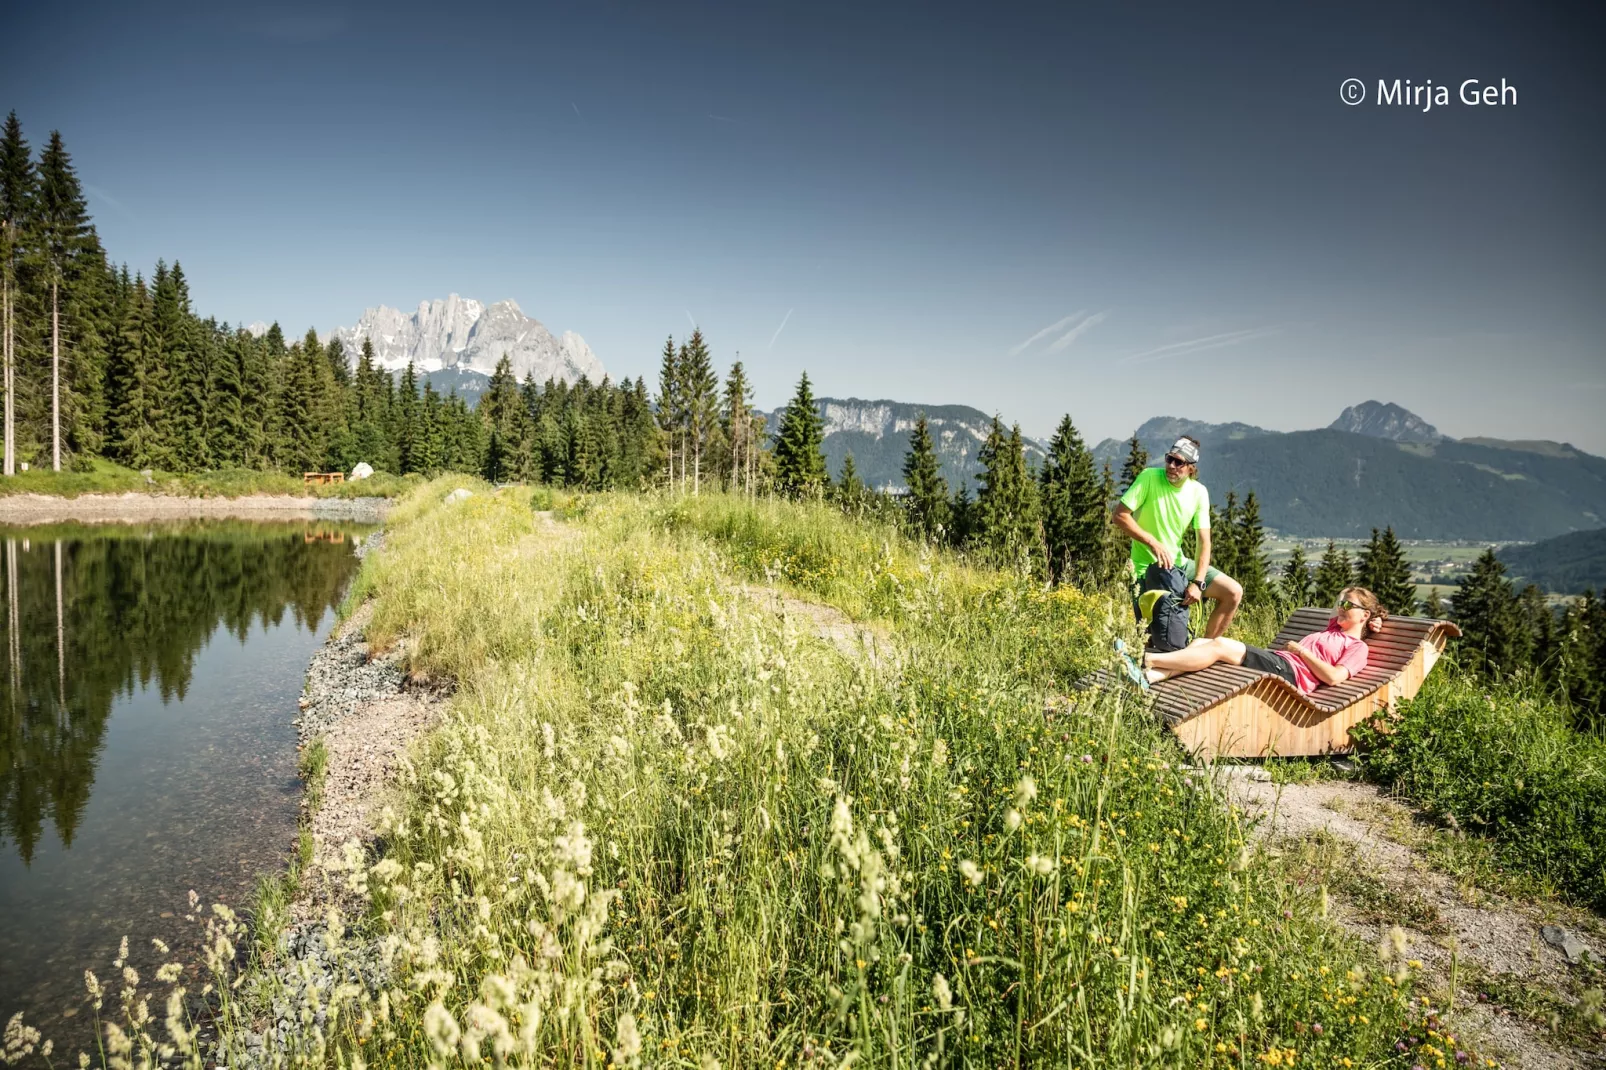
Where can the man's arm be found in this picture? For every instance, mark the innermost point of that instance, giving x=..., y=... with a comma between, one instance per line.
x=1327, y=674
x=1123, y=519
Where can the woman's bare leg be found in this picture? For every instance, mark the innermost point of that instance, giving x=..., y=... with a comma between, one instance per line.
x=1199, y=654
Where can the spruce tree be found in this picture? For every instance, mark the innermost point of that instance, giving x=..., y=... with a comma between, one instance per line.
x=672, y=408
x=69, y=249
x=1137, y=459
x=1073, y=508
x=1250, y=537
x=1333, y=574
x=1224, y=532
x=699, y=392
x=135, y=426
x=1383, y=570
x=1492, y=633
x=928, y=508
x=501, y=410
x=409, y=424
x=799, y=457
x=18, y=190
x=230, y=439
x=850, y=491
x=1297, y=587
x=1007, y=524
x=738, y=414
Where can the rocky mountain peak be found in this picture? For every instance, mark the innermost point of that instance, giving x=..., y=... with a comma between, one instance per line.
x=1379, y=419
x=466, y=335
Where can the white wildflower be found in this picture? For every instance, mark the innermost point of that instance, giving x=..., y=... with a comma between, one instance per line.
x=971, y=872
x=942, y=993
x=1025, y=791
x=441, y=1029
x=1012, y=819
x=628, y=1040
x=1040, y=864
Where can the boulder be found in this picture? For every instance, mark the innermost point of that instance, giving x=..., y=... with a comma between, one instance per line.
x=459, y=494
x=362, y=471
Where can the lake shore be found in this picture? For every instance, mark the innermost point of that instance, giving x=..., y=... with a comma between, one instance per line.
x=138, y=508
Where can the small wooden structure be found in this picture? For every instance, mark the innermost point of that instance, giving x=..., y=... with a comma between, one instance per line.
x=323, y=477
x=1231, y=711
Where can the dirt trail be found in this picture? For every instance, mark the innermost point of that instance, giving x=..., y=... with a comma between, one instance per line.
x=1368, y=845
x=829, y=623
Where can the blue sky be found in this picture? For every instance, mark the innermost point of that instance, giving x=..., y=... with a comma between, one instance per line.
x=916, y=191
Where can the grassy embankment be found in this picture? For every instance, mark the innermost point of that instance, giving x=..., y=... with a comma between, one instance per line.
x=109, y=478
x=659, y=827
x=1503, y=763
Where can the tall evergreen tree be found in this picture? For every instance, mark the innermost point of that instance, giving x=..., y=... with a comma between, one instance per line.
x=229, y=438
x=1007, y=523
x=672, y=408
x=409, y=423
x=799, y=457
x=1493, y=638
x=136, y=423
x=738, y=413
x=1137, y=459
x=1333, y=574
x=1382, y=569
x=699, y=390
x=69, y=249
x=1073, y=508
x=1250, y=537
x=501, y=410
x=1298, y=588
x=929, y=511
x=18, y=189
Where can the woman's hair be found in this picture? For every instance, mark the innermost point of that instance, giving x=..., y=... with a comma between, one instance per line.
x=1375, y=610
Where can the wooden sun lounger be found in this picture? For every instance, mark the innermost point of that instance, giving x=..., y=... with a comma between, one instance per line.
x=1231, y=711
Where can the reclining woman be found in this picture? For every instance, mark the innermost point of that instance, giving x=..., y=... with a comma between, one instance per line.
x=1321, y=658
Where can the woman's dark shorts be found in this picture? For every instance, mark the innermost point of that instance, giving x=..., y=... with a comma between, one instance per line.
x=1263, y=660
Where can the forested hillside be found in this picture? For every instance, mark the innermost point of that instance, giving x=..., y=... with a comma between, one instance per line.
x=1567, y=564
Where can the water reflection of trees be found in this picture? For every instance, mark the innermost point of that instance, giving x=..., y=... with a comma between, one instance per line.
x=92, y=614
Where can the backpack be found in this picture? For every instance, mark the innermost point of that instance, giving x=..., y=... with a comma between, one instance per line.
x=1168, y=628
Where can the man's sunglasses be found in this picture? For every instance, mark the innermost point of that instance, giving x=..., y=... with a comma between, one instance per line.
x=1176, y=462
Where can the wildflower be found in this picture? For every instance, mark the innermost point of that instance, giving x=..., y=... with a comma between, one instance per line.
x=1012, y=819
x=1040, y=865
x=1200, y=1024
x=628, y=1040
x=942, y=993
x=971, y=873
x=1025, y=791
x=441, y=1029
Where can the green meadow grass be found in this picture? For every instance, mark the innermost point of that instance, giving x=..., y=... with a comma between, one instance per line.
x=662, y=825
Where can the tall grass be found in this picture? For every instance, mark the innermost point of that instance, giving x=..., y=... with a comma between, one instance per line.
x=659, y=825
x=1503, y=761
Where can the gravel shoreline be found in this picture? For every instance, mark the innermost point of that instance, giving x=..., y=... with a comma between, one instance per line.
x=367, y=711
x=136, y=508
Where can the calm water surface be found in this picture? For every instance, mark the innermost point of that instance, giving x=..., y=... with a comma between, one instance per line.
x=146, y=745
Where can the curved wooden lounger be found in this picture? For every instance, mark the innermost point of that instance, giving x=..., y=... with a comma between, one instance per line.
x=1231, y=711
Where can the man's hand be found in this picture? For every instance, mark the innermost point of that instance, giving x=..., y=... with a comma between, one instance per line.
x=1161, y=555
x=1189, y=597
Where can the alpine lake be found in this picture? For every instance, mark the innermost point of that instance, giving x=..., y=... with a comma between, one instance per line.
x=147, y=739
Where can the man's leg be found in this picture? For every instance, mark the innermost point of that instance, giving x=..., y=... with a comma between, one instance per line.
x=1228, y=594
x=1199, y=654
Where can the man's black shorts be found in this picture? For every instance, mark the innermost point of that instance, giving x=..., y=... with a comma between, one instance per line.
x=1263, y=660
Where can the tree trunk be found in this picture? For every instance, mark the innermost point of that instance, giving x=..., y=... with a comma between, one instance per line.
x=55, y=378
x=10, y=461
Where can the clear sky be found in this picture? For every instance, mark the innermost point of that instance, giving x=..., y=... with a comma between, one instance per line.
x=1113, y=210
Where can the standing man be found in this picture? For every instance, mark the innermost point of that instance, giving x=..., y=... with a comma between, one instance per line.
x=1156, y=510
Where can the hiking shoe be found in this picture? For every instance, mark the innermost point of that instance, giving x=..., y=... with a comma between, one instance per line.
x=1130, y=668
x=1146, y=602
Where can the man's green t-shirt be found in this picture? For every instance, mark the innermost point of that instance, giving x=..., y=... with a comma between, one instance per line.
x=1165, y=512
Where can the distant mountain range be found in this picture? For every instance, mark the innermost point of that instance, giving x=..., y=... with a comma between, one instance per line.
x=465, y=336
x=1567, y=564
x=877, y=434
x=1376, y=465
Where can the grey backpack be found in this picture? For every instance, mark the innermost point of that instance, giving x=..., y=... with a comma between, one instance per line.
x=1168, y=628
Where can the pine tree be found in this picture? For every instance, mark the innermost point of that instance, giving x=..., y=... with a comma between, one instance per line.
x=18, y=189
x=799, y=458
x=1382, y=569
x=1485, y=606
x=1250, y=536
x=1007, y=524
x=69, y=248
x=928, y=508
x=1224, y=531
x=135, y=427
x=699, y=387
x=850, y=491
x=501, y=410
x=738, y=413
x=1137, y=459
x=672, y=407
x=1297, y=587
x=1333, y=574
x=230, y=440
x=409, y=424
x=1073, y=508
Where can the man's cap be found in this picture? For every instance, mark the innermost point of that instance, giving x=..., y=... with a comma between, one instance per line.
x=1185, y=448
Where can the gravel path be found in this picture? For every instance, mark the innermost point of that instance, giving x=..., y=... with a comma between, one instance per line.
x=1475, y=934
x=137, y=508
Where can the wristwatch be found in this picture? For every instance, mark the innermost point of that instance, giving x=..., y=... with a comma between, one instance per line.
x=1199, y=584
